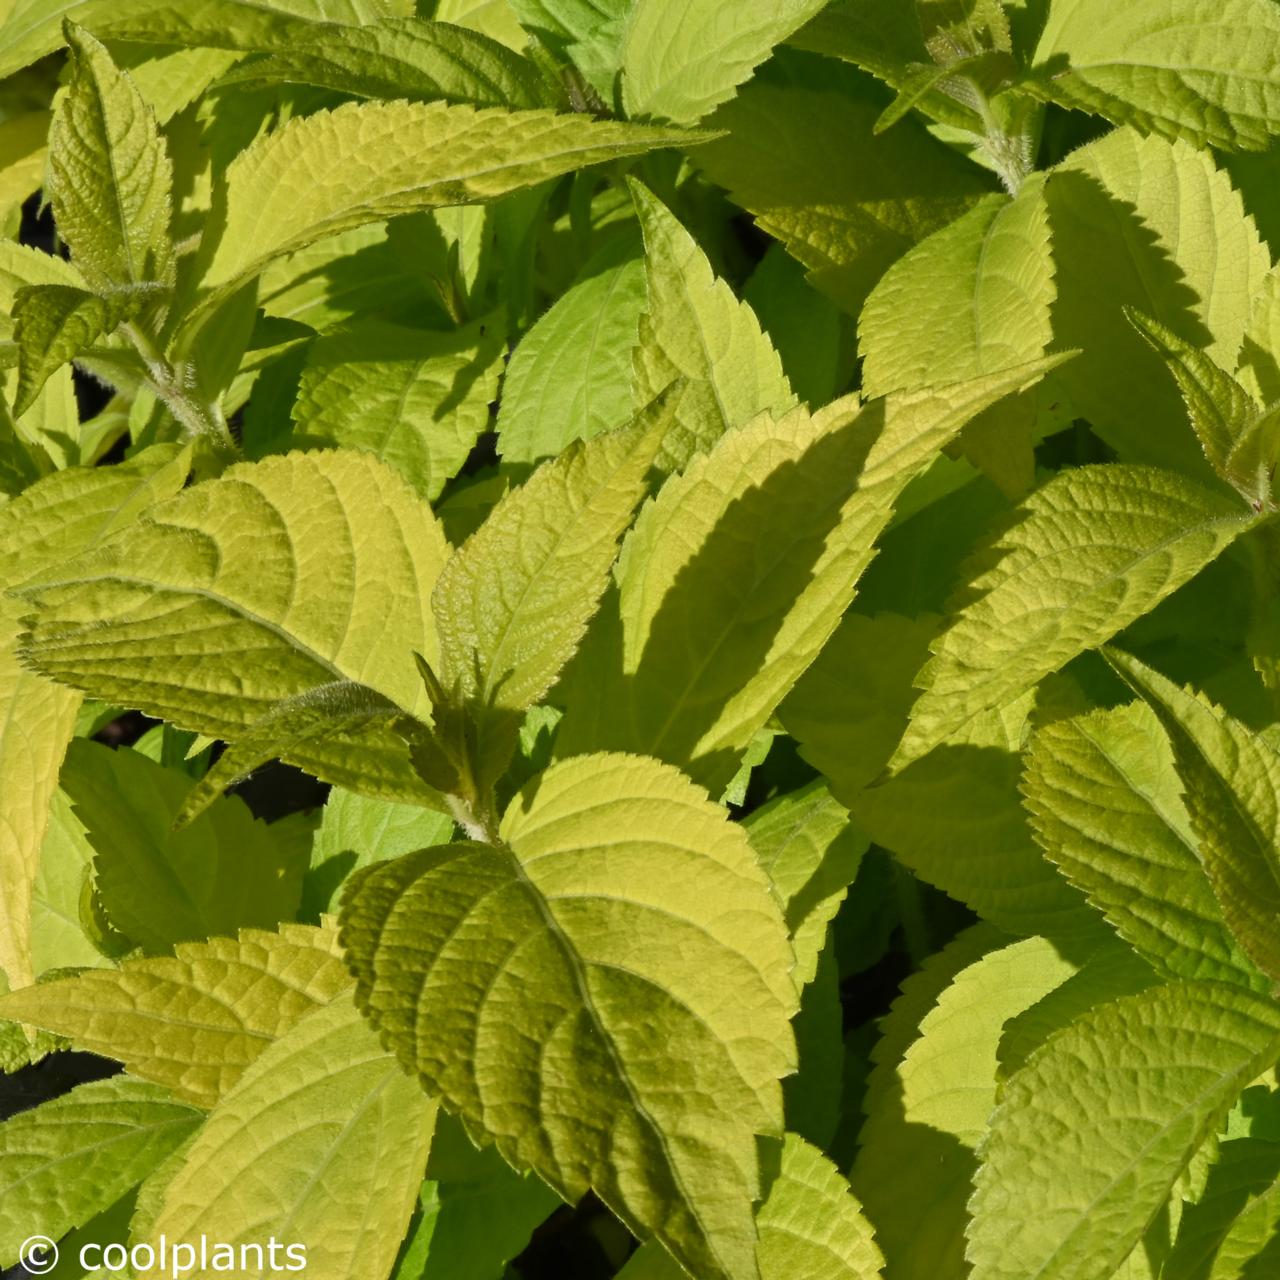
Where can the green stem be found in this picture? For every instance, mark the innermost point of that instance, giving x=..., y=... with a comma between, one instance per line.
x=197, y=417
x=1010, y=153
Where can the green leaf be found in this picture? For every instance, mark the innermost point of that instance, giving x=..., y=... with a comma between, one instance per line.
x=680, y=63
x=59, y=937
x=1112, y=971
x=514, y=600
x=801, y=157
x=65, y=1161
x=417, y=398
x=193, y=1021
x=374, y=732
x=1094, y=1130
x=475, y=1213
x=1204, y=70
x=1106, y=806
x=1230, y=781
x=955, y=29
x=397, y=58
x=54, y=519
x=53, y=324
x=735, y=576
x=322, y=1142
x=1092, y=550
x=110, y=178
x=973, y=298
x=1158, y=227
x=587, y=33
x=1218, y=406
x=221, y=873
x=624, y=1022
x=929, y=1098
x=811, y=1227
x=805, y=842
x=570, y=376
x=694, y=328
x=356, y=831
x=379, y=159
x=887, y=41
x=34, y=28
x=168, y=616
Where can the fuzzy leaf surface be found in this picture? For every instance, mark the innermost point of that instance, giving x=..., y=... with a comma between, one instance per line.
x=379, y=159
x=398, y=58
x=1095, y=548
x=1092, y=1132
x=1204, y=70
x=679, y=64
x=695, y=329
x=629, y=1018
x=195, y=1020
x=1106, y=806
x=735, y=576
x=323, y=1140
x=417, y=398
x=110, y=178
x=1230, y=781
x=64, y=1161
x=340, y=557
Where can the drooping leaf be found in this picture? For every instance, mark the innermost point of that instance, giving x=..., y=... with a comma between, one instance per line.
x=1106, y=806
x=64, y=1161
x=680, y=64
x=735, y=576
x=169, y=617
x=1094, y=549
x=569, y=377
x=805, y=842
x=1203, y=70
x=193, y=1021
x=221, y=873
x=379, y=159
x=53, y=324
x=398, y=58
x=417, y=398
x=1091, y=1133
x=322, y=1141
x=628, y=1022
x=110, y=178
x=1230, y=781
x=694, y=328
x=801, y=157
x=929, y=1098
